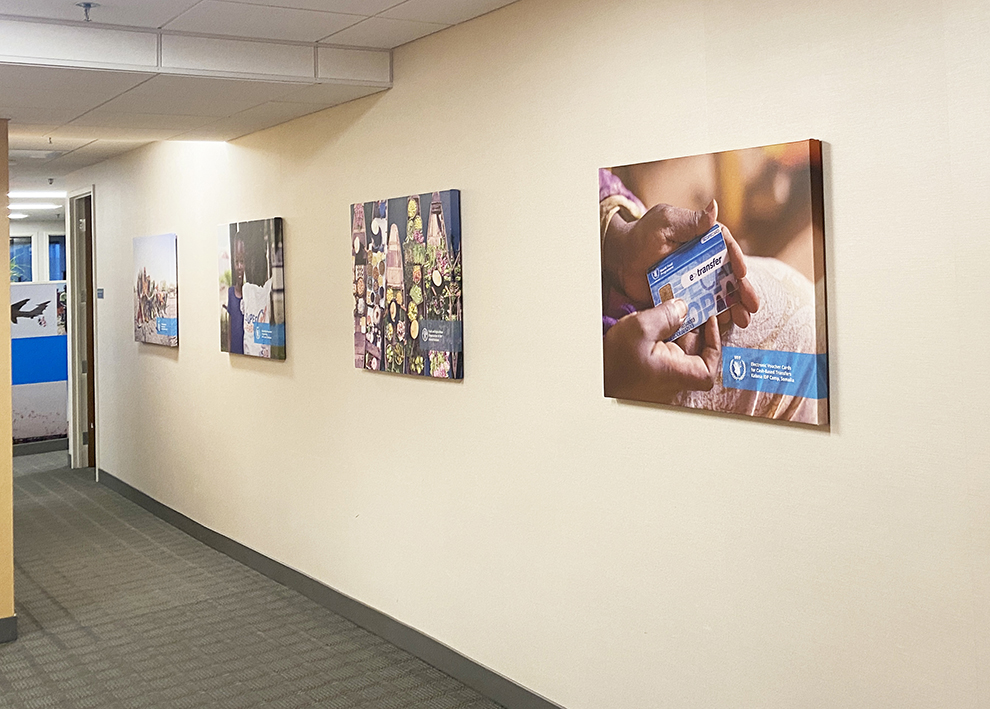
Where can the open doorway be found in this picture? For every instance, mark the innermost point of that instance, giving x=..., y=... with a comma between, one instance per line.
x=82, y=333
x=39, y=345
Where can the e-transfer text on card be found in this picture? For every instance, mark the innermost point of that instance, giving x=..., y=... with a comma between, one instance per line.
x=699, y=273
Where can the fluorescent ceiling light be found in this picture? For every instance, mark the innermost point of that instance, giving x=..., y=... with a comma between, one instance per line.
x=27, y=206
x=35, y=154
x=17, y=215
x=37, y=195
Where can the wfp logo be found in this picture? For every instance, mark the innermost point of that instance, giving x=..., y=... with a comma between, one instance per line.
x=737, y=368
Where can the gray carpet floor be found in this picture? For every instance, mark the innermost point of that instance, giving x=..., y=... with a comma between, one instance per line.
x=117, y=608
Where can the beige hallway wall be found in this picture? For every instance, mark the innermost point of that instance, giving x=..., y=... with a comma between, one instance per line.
x=600, y=553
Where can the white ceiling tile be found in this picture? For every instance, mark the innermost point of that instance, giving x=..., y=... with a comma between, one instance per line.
x=444, y=11
x=197, y=96
x=60, y=104
x=33, y=156
x=40, y=141
x=383, y=33
x=249, y=20
x=76, y=161
x=39, y=97
x=253, y=120
x=29, y=131
x=71, y=163
x=145, y=135
x=36, y=178
x=133, y=13
x=103, y=84
x=329, y=94
x=212, y=132
x=31, y=94
x=104, y=118
x=25, y=177
x=365, y=8
x=103, y=149
x=47, y=114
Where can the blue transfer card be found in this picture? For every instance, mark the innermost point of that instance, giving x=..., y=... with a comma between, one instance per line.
x=699, y=273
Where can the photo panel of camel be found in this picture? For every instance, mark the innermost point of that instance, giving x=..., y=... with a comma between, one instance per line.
x=156, y=290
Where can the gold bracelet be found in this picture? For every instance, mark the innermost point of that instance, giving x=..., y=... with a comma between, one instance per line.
x=613, y=204
x=606, y=217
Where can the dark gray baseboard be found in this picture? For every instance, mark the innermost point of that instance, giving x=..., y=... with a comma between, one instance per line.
x=54, y=444
x=490, y=684
x=8, y=629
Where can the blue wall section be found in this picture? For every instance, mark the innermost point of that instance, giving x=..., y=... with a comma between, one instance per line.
x=39, y=359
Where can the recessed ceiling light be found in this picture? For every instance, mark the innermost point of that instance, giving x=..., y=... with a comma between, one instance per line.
x=24, y=194
x=17, y=215
x=17, y=153
x=27, y=206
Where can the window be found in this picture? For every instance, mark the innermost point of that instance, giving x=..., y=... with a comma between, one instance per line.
x=20, y=259
x=56, y=257
x=42, y=256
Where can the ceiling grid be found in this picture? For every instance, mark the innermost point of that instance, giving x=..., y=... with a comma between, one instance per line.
x=78, y=92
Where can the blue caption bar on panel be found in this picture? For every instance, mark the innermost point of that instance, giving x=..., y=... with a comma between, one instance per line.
x=789, y=373
x=167, y=326
x=39, y=359
x=265, y=334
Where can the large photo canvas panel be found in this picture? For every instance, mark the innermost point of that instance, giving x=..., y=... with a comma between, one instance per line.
x=251, y=288
x=156, y=290
x=39, y=360
x=406, y=285
x=713, y=282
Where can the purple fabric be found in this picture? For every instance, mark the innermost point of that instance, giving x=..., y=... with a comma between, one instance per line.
x=615, y=310
x=615, y=304
x=609, y=184
x=236, y=322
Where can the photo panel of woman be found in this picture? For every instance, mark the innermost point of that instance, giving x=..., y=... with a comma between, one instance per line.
x=251, y=289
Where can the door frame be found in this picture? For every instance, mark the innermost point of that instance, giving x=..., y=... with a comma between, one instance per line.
x=83, y=383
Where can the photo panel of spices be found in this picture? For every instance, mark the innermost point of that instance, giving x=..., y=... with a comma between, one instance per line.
x=407, y=285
